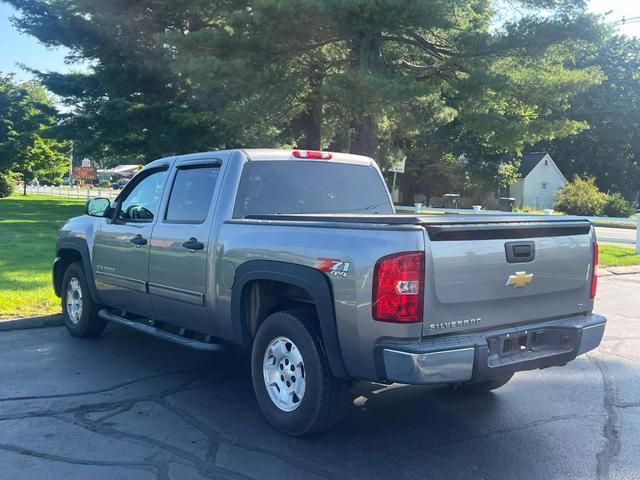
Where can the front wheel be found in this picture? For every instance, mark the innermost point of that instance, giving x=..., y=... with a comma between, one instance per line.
x=291, y=377
x=79, y=310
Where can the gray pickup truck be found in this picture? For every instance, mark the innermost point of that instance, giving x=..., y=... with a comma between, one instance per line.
x=299, y=257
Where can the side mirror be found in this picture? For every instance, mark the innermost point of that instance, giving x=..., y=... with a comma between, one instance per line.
x=96, y=207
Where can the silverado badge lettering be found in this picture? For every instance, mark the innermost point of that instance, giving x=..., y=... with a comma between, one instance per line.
x=103, y=268
x=455, y=324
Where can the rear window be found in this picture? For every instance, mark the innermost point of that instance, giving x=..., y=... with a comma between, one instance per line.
x=310, y=187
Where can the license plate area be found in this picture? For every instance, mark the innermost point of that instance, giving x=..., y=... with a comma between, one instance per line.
x=513, y=344
x=526, y=345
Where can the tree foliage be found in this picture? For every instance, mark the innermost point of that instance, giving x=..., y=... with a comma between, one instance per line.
x=616, y=206
x=456, y=86
x=609, y=149
x=581, y=196
x=7, y=185
x=27, y=146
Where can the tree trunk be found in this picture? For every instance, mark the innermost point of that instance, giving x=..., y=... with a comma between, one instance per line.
x=311, y=131
x=365, y=141
x=309, y=124
x=312, y=118
x=366, y=51
x=24, y=187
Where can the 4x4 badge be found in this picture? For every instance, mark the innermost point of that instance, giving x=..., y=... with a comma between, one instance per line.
x=333, y=266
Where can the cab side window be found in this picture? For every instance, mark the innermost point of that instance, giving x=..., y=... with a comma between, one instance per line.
x=192, y=194
x=140, y=204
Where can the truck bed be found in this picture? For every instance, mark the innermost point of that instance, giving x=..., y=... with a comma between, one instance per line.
x=470, y=258
x=454, y=226
x=420, y=219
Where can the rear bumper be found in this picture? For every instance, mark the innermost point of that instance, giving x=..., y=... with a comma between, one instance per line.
x=490, y=354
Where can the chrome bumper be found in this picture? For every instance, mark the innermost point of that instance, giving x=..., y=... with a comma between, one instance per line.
x=475, y=356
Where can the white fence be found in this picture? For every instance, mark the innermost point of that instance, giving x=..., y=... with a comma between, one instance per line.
x=73, y=191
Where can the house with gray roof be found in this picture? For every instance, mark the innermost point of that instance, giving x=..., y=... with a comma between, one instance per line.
x=538, y=183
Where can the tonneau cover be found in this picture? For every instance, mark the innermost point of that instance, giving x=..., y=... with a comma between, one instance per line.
x=419, y=219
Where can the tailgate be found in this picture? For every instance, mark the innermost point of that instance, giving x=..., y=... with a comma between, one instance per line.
x=490, y=274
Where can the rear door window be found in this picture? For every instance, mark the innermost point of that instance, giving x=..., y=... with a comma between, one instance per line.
x=270, y=187
x=191, y=194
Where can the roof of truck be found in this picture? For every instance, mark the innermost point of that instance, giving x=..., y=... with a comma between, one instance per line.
x=264, y=154
x=260, y=154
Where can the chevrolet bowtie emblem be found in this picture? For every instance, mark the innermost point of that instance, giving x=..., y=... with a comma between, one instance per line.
x=520, y=279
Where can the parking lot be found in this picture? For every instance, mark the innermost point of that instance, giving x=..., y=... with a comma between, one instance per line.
x=129, y=406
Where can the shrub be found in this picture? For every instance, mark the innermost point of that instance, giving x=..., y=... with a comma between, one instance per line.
x=104, y=183
x=616, y=206
x=581, y=197
x=7, y=185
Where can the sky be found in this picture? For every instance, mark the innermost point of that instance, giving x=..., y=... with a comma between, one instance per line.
x=17, y=48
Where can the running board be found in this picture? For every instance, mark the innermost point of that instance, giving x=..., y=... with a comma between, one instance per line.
x=163, y=334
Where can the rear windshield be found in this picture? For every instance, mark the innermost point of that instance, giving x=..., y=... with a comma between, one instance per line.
x=310, y=187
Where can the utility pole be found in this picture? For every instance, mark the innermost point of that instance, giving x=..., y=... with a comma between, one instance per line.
x=638, y=235
x=638, y=221
x=393, y=184
x=71, y=165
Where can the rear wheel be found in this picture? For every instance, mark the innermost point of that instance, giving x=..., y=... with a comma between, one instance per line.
x=291, y=378
x=484, y=386
x=79, y=310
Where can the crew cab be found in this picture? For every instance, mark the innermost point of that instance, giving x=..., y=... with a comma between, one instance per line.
x=300, y=258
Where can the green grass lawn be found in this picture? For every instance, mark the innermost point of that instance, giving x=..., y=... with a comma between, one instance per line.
x=28, y=227
x=614, y=256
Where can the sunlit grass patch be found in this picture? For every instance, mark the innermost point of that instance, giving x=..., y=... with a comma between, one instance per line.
x=28, y=227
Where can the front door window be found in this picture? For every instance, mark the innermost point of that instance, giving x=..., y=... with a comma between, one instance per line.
x=141, y=202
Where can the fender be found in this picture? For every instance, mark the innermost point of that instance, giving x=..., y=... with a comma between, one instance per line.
x=313, y=281
x=80, y=246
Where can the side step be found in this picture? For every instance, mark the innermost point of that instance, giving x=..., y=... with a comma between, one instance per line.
x=157, y=332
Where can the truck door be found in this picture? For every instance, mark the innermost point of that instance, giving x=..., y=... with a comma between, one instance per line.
x=180, y=246
x=121, y=245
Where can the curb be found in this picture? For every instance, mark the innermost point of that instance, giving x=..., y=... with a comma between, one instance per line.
x=610, y=271
x=31, y=322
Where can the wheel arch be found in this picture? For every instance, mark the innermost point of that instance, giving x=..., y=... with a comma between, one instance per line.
x=309, y=280
x=70, y=250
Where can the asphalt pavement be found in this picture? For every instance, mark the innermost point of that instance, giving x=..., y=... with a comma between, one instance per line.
x=126, y=406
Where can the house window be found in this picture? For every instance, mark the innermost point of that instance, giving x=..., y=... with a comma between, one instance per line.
x=546, y=162
x=544, y=185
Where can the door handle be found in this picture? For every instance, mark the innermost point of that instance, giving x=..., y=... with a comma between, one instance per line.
x=193, y=244
x=520, y=252
x=138, y=241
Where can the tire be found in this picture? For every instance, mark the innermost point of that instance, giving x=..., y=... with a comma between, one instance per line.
x=484, y=386
x=322, y=401
x=78, y=308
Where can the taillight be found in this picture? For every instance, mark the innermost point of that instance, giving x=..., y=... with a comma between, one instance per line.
x=398, y=287
x=594, y=272
x=313, y=154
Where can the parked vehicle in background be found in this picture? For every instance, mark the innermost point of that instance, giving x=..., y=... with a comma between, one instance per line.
x=119, y=184
x=298, y=256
